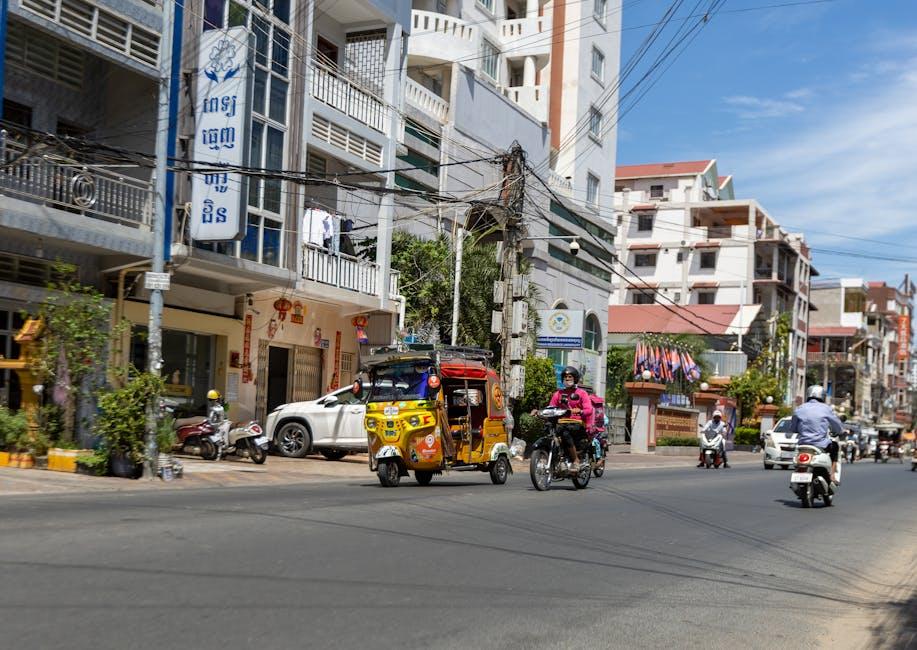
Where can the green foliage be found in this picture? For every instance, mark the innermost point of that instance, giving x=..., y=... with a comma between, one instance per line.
x=77, y=331
x=95, y=463
x=14, y=430
x=122, y=421
x=747, y=435
x=540, y=383
x=620, y=364
x=165, y=433
x=751, y=388
x=530, y=428
x=677, y=442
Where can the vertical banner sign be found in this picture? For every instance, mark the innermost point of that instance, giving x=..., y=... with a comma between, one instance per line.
x=247, y=350
x=904, y=337
x=336, y=377
x=221, y=137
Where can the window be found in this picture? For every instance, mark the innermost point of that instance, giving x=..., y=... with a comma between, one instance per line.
x=598, y=64
x=854, y=302
x=595, y=123
x=16, y=113
x=592, y=333
x=708, y=260
x=645, y=259
x=677, y=297
x=487, y=4
x=598, y=10
x=645, y=222
x=706, y=297
x=656, y=191
x=490, y=57
x=680, y=257
x=592, y=190
x=642, y=297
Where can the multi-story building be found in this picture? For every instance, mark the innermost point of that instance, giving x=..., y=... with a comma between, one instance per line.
x=686, y=240
x=485, y=74
x=896, y=306
x=265, y=318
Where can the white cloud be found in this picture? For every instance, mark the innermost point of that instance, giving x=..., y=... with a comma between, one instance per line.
x=751, y=108
x=851, y=173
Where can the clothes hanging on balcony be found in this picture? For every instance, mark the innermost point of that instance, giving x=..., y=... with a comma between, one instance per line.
x=328, y=232
x=346, y=243
x=314, y=226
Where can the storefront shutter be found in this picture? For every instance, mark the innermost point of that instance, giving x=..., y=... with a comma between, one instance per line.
x=307, y=373
x=261, y=382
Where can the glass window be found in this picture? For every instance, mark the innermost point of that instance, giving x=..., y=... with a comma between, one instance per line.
x=592, y=189
x=592, y=334
x=598, y=64
x=708, y=260
x=642, y=297
x=645, y=259
x=598, y=9
x=254, y=184
x=250, y=243
x=645, y=222
x=854, y=301
x=490, y=57
x=260, y=91
x=270, y=246
x=280, y=54
x=262, y=31
x=706, y=297
x=213, y=14
x=487, y=4
x=282, y=10
x=278, y=111
x=595, y=122
x=238, y=15
x=656, y=191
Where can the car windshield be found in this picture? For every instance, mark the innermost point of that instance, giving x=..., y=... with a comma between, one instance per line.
x=402, y=381
x=784, y=427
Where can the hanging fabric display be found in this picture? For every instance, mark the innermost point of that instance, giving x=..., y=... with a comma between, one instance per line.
x=360, y=322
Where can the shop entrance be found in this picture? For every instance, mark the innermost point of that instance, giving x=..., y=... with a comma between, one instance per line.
x=278, y=373
x=10, y=322
x=188, y=361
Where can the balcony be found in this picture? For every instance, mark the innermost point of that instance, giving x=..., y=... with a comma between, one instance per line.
x=532, y=99
x=345, y=272
x=560, y=184
x=426, y=100
x=334, y=89
x=440, y=38
x=46, y=178
x=526, y=36
x=833, y=359
x=725, y=363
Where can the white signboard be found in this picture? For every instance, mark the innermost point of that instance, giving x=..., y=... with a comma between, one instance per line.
x=156, y=281
x=221, y=137
x=560, y=328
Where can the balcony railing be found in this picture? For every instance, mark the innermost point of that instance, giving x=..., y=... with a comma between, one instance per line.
x=520, y=36
x=333, y=88
x=426, y=100
x=533, y=99
x=725, y=363
x=345, y=272
x=42, y=176
x=834, y=359
x=441, y=37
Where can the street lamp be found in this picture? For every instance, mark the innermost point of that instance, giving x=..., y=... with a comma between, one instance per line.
x=769, y=399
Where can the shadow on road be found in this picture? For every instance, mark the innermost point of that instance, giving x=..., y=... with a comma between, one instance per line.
x=898, y=628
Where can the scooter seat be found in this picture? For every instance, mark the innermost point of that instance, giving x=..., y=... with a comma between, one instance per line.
x=192, y=421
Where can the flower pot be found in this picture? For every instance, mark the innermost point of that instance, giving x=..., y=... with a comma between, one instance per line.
x=22, y=460
x=41, y=462
x=64, y=460
x=4, y=458
x=123, y=467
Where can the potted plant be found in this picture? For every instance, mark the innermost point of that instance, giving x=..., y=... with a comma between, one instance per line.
x=121, y=424
x=14, y=432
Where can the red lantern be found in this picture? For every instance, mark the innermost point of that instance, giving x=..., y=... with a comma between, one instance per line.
x=282, y=305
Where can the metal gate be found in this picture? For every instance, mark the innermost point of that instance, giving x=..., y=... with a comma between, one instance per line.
x=307, y=373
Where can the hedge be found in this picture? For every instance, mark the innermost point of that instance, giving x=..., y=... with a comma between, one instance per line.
x=677, y=442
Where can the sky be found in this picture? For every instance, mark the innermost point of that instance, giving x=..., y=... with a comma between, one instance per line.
x=812, y=108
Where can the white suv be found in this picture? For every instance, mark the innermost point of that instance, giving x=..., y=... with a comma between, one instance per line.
x=780, y=445
x=331, y=425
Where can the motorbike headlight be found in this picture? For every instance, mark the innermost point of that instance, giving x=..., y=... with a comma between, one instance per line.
x=414, y=421
x=371, y=424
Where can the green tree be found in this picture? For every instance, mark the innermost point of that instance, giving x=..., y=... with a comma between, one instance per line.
x=540, y=383
x=74, y=345
x=767, y=375
x=620, y=369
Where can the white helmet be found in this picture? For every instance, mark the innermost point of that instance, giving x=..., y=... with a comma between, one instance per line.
x=717, y=413
x=816, y=391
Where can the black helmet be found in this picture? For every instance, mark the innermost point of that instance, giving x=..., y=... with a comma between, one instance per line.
x=570, y=370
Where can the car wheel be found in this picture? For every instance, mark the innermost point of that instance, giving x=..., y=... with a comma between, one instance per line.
x=293, y=440
x=333, y=454
x=768, y=466
x=423, y=477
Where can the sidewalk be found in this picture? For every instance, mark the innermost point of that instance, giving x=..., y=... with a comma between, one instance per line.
x=282, y=471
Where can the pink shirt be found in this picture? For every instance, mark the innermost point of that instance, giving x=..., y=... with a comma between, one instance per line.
x=587, y=414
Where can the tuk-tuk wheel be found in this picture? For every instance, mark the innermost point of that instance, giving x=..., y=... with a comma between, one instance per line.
x=499, y=470
x=423, y=477
x=389, y=473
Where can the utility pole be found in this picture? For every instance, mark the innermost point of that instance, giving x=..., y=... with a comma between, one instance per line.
x=456, y=289
x=512, y=196
x=154, y=359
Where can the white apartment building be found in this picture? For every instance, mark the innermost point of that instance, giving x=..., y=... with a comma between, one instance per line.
x=685, y=240
x=483, y=74
x=265, y=318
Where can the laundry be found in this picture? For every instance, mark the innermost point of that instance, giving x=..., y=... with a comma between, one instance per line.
x=314, y=226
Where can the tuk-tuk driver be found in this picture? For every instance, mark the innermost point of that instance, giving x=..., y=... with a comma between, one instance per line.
x=580, y=405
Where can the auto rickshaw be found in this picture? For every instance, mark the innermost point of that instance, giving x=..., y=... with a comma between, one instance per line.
x=432, y=410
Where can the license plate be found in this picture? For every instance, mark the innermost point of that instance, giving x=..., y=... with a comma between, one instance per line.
x=261, y=440
x=787, y=456
x=390, y=410
x=800, y=477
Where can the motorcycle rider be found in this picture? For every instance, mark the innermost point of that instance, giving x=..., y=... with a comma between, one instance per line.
x=715, y=427
x=580, y=405
x=215, y=410
x=813, y=420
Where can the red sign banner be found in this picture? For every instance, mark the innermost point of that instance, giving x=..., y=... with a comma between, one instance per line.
x=904, y=337
x=336, y=377
x=247, y=350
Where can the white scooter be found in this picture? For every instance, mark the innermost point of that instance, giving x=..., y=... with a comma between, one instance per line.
x=812, y=477
x=710, y=448
x=246, y=440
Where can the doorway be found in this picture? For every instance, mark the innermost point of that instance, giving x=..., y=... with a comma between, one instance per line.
x=278, y=373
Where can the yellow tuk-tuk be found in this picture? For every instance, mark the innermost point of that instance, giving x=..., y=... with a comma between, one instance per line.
x=430, y=410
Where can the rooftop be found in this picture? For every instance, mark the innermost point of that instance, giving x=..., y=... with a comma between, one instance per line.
x=682, y=319
x=654, y=170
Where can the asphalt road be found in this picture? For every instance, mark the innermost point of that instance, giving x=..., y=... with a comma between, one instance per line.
x=640, y=559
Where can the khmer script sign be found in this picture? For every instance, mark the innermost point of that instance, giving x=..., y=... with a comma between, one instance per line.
x=221, y=137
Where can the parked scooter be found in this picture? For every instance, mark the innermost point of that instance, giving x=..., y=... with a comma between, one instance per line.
x=214, y=437
x=812, y=477
x=710, y=450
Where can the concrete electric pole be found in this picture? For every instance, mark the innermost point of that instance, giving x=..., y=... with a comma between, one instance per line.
x=515, y=318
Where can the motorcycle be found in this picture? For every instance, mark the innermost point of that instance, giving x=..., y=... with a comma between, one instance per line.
x=214, y=437
x=812, y=476
x=710, y=450
x=599, y=453
x=850, y=451
x=914, y=459
x=882, y=452
x=549, y=460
